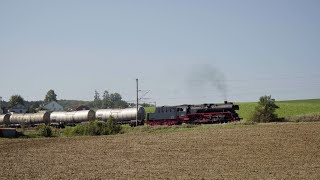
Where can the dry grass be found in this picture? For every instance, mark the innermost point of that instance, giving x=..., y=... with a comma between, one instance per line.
x=268, y=151
x=304, y=118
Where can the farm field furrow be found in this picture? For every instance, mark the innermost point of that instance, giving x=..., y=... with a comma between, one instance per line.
x=263, y=151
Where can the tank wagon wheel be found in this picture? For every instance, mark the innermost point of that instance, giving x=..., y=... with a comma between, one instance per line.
x=226, y=120
x=132, y=125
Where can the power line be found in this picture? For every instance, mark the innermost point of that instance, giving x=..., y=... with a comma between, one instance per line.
x=259, y=79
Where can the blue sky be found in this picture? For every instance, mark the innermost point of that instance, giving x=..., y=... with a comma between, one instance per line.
x=182, y=51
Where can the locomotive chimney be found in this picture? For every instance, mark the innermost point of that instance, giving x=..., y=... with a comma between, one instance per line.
x=226, y=102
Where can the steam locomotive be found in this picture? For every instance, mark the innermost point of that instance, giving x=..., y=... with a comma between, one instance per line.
x=164, y=115
x=194, y=114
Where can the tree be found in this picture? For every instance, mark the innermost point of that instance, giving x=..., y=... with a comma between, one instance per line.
x=96, y=100
x=15, y=100
x=106, y=100
x=117, y=102
x=115, y=97
x=106, y=95
x=51, y=96
x=265, y=111
x=113, y=100
x=120, y=104
x=33, y=108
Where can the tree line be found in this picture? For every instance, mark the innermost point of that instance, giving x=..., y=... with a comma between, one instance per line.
x=32, y=106
x=107, y=100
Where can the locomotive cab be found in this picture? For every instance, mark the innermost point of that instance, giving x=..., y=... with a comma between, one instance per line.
x=166, y=115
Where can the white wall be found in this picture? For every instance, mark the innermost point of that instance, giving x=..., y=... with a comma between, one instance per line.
x=53, y=106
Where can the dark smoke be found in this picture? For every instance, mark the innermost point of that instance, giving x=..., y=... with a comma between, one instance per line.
x=206, y=76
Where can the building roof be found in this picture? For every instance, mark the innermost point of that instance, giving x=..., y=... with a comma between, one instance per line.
x=51, y=102
x=19, y=106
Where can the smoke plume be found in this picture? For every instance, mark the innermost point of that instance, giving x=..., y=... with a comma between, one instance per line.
x=204, y=77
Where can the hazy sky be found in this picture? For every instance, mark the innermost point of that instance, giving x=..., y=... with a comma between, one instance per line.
x=182, y=51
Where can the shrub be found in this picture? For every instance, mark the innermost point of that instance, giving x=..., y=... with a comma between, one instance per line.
x=94, y=128
x=112, y=127
x=265, y=111
x=45, y=130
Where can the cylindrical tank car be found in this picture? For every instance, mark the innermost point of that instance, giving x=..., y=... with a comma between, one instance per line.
x=72, y=117
x=5, y=119
x=30, y=119
x=122, y=116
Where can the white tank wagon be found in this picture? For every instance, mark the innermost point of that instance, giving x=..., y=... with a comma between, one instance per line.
x=5, y=119
x=122, y=116
x=73, y=117
x=30, y=118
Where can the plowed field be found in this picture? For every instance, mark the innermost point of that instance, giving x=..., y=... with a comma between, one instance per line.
x=270, y=151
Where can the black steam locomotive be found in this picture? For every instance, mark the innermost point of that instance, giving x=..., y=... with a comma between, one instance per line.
x=194, y=114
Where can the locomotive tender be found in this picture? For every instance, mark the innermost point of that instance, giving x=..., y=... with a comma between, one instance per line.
x=165, y=115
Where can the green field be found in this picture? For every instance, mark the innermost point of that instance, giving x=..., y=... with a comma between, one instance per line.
x=287, y=108
x=149, y=109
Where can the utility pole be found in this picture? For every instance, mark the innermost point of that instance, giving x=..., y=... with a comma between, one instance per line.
x=1, y=112
x=137, y=102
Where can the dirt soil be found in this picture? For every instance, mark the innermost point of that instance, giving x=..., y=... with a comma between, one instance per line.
x=272, y=151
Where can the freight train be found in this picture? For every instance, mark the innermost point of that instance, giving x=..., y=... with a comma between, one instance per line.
x=164, y=115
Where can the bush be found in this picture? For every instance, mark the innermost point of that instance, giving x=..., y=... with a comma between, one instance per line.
x=112, y=127
x=94, y=128
x=265, y=111
x=45, y=130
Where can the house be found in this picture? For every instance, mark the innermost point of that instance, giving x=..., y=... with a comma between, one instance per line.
x=82, y=107
x=78, y=108
x=19, y=108
x=53, y=106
